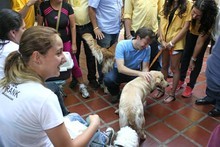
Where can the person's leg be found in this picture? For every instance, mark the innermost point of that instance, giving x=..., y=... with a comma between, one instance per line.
x=175, y=64
x=106, y=42
x=111, y=82
x=187, y=54
x=77, y=73
x=56, y=89
x=99, y=138
x=164, y=70
x=198, y=65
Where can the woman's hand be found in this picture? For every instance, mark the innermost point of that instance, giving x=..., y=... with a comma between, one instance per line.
x=94, y=120
x=74, y=49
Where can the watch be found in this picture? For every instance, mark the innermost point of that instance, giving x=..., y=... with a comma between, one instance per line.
x=193, y=59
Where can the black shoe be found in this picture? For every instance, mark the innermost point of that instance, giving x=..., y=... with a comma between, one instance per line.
x=214, y=112
x=94, y=84
x=73, y=83
x=203, y=102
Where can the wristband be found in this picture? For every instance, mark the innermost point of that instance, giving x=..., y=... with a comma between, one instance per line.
x=171, y=44
x=95, y=28
x=193, y=59
x=27, y=5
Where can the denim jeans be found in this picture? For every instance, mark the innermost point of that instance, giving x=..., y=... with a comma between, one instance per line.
x=113, y=79
x=56, y=89
x=106, y=42
x=98, y=140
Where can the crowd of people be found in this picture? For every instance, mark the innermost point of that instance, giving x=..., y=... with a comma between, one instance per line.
x=182, y=29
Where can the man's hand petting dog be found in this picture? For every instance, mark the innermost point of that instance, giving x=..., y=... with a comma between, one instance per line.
x=145, y=75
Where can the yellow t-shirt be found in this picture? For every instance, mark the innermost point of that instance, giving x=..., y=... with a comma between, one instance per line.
x=81, y=13
x=143, y=13
x=175, y=26
x=29, y=20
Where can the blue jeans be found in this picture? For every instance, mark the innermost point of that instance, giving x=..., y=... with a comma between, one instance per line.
x=98, y=140
x=113, y=79
x=106, y=42
x=56, y=89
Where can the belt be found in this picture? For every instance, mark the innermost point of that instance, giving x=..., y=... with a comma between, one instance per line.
x=83, y=26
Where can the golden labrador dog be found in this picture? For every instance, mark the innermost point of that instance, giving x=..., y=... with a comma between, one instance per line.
x=103, y=56
x=133, y=100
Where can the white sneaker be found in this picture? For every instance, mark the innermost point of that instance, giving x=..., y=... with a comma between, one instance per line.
x=83, y=90
x=109, y=135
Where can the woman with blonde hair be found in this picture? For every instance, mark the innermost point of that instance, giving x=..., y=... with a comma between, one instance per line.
x=30, y=113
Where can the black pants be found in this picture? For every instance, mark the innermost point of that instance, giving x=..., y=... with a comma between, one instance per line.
x=187, y=54
x=90, y=59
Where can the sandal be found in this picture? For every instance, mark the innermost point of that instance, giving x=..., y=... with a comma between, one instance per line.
x=169, y=99
x=160, y=93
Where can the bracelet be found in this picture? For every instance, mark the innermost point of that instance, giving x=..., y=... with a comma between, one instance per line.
x=27, y=5
x=171, y=44
x=95, y=28
x=193, y=59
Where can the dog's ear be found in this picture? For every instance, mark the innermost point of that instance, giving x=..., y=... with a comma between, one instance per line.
x=112, y=48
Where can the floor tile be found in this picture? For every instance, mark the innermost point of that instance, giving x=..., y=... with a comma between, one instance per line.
x=181, y=141
x=178, y=122
x=198, y=134
x=161, y=131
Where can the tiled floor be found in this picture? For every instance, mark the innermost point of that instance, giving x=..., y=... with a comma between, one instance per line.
x=180, y=123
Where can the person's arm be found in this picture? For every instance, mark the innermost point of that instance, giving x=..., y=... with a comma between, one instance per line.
x=179, y=36
x=199, y=44
x=92, y=15
x=73, y=32
x=128, y=28
x=145, y=66
x=60, y=137
x=128, y=11
x=127, y=71
x=23, y=9
x=40, y=17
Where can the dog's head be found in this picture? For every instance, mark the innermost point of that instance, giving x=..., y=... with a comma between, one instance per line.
x=126, y=136
x=159, y=79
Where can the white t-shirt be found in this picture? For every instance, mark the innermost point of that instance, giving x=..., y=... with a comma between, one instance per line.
x=4, y=52
x=26, y=111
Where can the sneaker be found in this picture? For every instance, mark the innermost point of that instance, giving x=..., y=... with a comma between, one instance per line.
x=94, y=84
x=73, y=83
x=83, y=90
x=187, y=92
x=109, y=133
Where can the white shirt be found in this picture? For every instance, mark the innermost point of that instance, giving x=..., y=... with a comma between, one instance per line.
x=26, y=111
x=4, y=52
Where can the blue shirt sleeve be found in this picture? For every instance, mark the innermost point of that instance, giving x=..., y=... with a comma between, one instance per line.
x=119, y=52
x=94, y=3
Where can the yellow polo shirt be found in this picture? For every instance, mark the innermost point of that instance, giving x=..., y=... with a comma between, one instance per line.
x=143, y=13
x=81, y=13
x=17, y=5
x=175, y=26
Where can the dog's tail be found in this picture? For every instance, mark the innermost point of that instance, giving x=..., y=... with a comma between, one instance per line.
x=95, y=48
